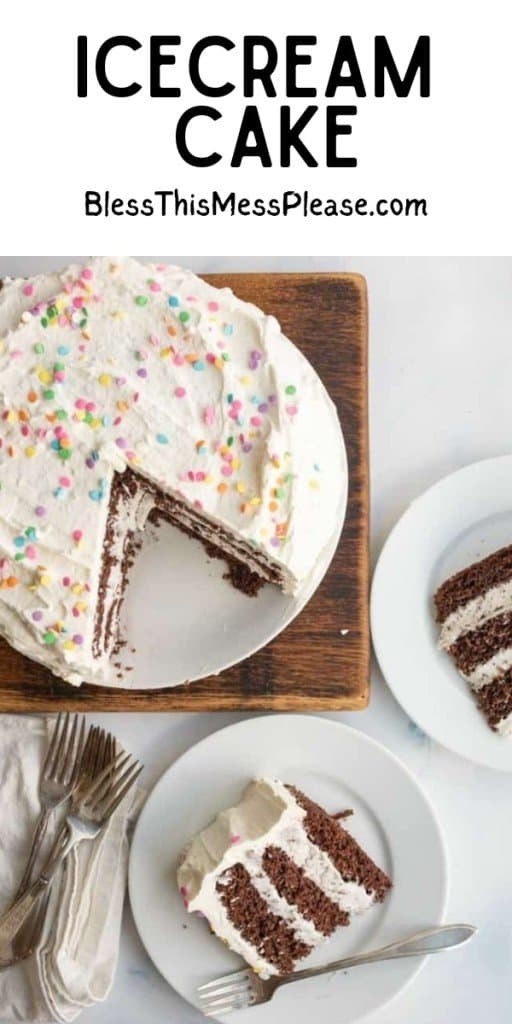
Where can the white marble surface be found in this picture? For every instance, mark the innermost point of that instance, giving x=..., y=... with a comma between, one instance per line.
x=440, y=398
x=473, y=806
x=441, y=307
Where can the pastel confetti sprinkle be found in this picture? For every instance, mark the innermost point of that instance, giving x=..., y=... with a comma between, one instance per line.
x=82, y=416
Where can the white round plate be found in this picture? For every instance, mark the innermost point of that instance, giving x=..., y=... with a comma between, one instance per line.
x=459, y=520
x=338, y=767
x=176, y=593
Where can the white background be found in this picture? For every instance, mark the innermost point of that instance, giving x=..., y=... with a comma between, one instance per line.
x=440, y=304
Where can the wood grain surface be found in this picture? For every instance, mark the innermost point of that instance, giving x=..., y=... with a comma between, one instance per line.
x=321, y=661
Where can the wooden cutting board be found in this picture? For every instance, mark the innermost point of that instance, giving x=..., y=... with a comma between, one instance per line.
x=321, y=661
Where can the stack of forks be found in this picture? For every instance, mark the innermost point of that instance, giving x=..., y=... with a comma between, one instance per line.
x=86, y=773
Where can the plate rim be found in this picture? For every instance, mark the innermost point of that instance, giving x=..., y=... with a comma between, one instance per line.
x=382, y=655
x=418, y=963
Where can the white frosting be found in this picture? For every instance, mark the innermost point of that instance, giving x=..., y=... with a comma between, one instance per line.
x=123, y=363
x=490, y=670
x=473, y=614
x=505, y=726
x=267, y=815
x=133, y=513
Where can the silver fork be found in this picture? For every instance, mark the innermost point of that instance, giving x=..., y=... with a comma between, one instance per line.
x=57, y=781
x=99, y=750
x=245, y=988
x=29, y=938
x=94, y=806
x=98, y=753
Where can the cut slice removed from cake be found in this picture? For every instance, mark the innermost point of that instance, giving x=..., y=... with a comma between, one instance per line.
x=276, y=875
x=474, y=609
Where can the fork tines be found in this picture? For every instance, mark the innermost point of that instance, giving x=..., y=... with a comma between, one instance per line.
x=111, y=785
x=64, y=755
x=232, y=992
x=100, y=750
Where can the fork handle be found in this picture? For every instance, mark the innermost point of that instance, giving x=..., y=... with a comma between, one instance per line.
x=15, y=916
x=433, y=940
x=39, y=834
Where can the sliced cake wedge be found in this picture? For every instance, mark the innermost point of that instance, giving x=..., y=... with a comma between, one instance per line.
x=276, y=875
x=474, y=610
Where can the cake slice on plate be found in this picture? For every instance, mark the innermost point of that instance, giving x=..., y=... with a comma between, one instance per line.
x=276, y=875
x=474, y=609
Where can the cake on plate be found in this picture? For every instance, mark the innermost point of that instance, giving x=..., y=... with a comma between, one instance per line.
x=130, y=391
x=276, y=875
x=474, y=609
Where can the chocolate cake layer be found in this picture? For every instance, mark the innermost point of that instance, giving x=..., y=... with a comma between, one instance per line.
x=473, y=581
x=292, y=879
x=248, y=912
x=480, y=644
x=353, y=864
x=119, y=550
x=220, y=543
x=298, y=890
x=495, y=700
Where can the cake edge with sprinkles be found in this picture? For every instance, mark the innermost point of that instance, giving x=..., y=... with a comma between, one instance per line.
x=80, y=352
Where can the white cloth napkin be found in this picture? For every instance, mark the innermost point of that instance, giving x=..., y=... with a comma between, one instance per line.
x=76, y=963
